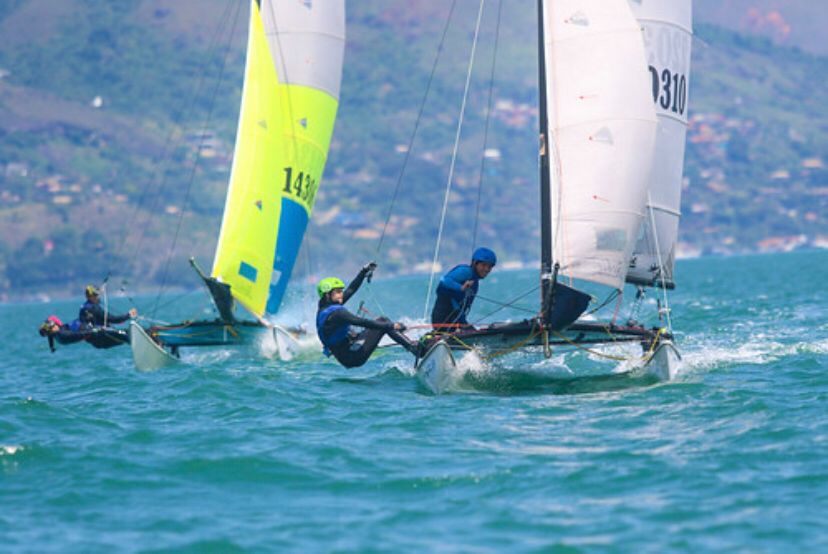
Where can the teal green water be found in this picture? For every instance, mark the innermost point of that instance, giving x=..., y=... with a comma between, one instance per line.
x=230, y=452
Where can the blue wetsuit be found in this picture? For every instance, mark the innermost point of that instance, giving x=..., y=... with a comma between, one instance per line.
x=453, y=303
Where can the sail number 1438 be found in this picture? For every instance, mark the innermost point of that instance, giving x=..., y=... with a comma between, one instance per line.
x=303, y=186
x=669, y=90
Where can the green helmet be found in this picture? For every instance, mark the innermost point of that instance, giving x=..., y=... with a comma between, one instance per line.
x=328, y=284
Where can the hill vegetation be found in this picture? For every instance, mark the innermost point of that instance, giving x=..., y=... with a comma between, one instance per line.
x=117, y=122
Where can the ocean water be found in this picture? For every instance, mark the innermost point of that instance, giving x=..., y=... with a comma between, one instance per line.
x=233, y=452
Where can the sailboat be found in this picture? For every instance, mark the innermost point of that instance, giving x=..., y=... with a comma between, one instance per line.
x=292, y=80
x=613, y=81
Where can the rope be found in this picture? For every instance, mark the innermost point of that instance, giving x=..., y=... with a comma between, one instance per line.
x=453, y=158
x=159, y=178
x=536, y=331
x=645, y=357
x=373, y=297
x=609, y=299
x=106, y=304
x=284, y=78
x=195, y=164
x=488, y=119
x=416, y=127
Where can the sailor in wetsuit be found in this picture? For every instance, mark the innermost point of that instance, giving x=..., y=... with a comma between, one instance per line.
x=100, y=337
x=334, y=321
x=92, y=313
x=55, y=330
x=458, y=287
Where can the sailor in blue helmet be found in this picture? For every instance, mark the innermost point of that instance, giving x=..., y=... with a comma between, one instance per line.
x=458, y=287
x=334, y=323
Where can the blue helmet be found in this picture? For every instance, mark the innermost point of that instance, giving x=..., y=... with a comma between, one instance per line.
x=483, y=254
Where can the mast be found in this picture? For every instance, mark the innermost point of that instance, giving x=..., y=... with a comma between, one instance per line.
x=545, y=177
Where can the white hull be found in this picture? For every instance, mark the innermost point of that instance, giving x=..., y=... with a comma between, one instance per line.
x=665, y=361
x=147, y=354
x=436, y=370
x=287, y=344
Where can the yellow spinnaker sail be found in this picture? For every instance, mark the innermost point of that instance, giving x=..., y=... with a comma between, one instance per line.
x=284, y=133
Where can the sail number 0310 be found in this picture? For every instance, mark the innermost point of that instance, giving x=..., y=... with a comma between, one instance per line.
x=669, y=90
x=303, y=186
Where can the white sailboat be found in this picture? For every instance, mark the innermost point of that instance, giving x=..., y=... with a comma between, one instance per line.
x=613, y=81
x=291, y=91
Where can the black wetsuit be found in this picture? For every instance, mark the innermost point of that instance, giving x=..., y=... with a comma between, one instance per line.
x=354, y=349
x=99, y=337
x=92, y=313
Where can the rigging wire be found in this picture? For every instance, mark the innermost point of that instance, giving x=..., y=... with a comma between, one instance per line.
x=660, y=264
x=453, y=157
x=509, y=304
x=416, y=126
x=610, y=297
x=157, y=182
x=195, y=163
x=488, y=119
x=277, y=37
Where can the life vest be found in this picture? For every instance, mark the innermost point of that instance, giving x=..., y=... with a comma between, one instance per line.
x=339, y=335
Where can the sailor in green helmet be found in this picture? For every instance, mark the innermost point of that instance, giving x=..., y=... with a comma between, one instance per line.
x=333, y=323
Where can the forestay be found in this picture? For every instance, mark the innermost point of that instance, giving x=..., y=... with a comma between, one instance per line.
x=289, y=103
x=667, y=37
x=602, y=125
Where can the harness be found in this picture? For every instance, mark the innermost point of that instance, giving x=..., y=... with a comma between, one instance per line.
x=338, y=336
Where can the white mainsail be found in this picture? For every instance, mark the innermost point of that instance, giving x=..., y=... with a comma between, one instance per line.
x=602, y=129
x=667, y=36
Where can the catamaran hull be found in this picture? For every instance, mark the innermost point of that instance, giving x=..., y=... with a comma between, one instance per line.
x=437, y=369
x=150, y=351
x=147, y=354
x=208, y=333
x=287, y=344
x=664, y=362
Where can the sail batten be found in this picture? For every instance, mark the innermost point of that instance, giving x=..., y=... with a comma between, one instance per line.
x=289, y=104
x=602, y=130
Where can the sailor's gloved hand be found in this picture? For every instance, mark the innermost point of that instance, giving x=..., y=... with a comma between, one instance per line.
x=368, y=270
x=133, y=313
x=399, y=327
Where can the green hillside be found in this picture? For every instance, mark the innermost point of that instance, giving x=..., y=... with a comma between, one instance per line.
x=105, y=108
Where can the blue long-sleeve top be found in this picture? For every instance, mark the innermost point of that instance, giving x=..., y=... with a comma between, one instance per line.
x=453, y=303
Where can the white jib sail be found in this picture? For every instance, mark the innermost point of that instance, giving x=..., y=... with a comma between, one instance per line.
x=667, y=28
x=602, y=126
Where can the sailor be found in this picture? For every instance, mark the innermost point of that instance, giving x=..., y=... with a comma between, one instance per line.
x=53, y=328
x=334, y=323
x=92, y=313
x=457, y=289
